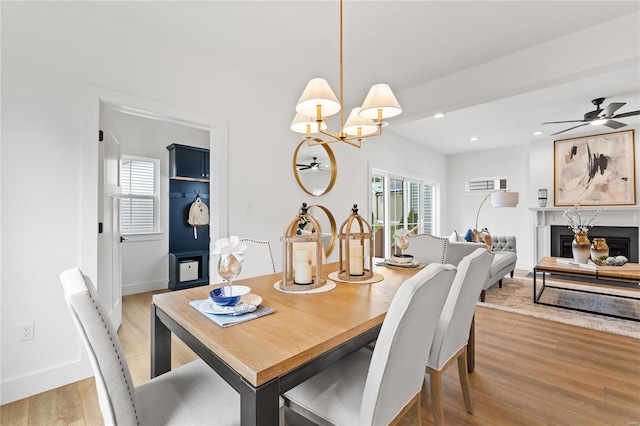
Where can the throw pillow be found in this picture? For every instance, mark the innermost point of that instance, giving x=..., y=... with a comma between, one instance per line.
x=483, y=237
x=454, y=237
x=469, y=235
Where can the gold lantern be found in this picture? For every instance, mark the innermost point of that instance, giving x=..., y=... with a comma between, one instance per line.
x=356, y=248
x=302, y=253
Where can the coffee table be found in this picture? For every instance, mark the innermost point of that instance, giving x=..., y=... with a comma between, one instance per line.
x=604, y=275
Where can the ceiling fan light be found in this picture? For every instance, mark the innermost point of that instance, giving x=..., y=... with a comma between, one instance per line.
x=355, y=122
x=380, y=97
x=318, y=92
x=300, y=123
x=599, y=122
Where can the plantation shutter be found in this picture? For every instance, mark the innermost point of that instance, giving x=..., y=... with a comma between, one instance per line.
x=138, y=204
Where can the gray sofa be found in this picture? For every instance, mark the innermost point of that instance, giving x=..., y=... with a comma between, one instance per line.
x=504, y=261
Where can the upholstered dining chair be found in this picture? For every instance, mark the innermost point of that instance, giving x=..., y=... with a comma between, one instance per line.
x=426, y=248
x=189, y=395
x=259, y=260
x=452, y=334
x=377, y=387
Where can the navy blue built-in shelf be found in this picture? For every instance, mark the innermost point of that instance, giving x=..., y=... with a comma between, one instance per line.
x=184, y=248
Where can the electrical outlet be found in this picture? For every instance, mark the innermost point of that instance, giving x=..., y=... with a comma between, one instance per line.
x=26, y=331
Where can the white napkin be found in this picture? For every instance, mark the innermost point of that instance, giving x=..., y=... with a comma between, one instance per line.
x=232, y=245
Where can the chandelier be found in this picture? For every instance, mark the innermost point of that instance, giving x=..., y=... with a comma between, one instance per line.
x=318, y=102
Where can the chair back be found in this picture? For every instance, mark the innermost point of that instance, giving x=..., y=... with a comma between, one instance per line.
x=396, y=371
x=455, y=322
x=116, y=392
x=426, y=248
x=259, y=260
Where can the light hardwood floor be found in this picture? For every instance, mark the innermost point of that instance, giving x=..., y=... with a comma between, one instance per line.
x=529, y=371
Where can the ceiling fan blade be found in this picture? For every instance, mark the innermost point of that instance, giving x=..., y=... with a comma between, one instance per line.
x=627, y=114
x=611, y=108
x=570, y=128
x=613, y=124
x=560, y=122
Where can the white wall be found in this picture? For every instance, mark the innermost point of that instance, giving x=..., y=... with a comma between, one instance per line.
x=49, y=52
x=145, y=262
x=463, y=207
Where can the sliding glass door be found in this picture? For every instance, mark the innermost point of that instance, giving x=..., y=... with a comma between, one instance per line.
x=400, y=202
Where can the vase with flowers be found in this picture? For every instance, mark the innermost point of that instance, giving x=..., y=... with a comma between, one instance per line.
x=580, y=225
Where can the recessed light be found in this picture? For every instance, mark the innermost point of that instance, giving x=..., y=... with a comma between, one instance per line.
x=473, y=139
x=537, y=133
x=439, y=115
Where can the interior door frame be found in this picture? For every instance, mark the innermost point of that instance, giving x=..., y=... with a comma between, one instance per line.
x=89, y=204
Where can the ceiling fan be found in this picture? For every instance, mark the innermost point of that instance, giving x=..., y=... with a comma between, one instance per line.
x=599, y=116
x=314, y=165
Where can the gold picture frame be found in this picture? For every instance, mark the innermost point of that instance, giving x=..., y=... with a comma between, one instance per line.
x=597, y=170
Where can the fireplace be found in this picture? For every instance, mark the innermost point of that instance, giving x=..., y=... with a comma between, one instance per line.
x=622, y=240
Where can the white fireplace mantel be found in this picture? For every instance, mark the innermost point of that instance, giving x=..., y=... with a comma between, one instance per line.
x=543, y=217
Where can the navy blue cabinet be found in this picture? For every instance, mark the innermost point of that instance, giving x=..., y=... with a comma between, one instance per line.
x=188, y=162
x=188, y=250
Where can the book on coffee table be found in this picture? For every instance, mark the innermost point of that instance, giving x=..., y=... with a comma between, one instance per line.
x=571, y=262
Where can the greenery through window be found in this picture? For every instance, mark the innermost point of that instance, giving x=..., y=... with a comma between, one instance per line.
x=400, y=202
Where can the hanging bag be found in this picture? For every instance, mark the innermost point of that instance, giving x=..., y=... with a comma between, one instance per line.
x=198, y=216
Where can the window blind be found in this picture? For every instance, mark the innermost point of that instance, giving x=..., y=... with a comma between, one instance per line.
x=139, y=195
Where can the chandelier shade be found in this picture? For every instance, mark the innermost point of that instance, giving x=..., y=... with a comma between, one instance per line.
x=318, y=93
x=358, y=126
x=380, y=98
x=304, y=124
x=318, y=101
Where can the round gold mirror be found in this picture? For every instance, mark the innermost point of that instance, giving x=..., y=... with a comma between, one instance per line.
x=327, y=224
x=315, y=168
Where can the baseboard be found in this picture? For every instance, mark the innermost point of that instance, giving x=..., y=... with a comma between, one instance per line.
x=45, y=380
x=144, y=287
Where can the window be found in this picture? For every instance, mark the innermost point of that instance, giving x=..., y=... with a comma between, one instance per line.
x=400, y=202
x=139, y=178
x=486, y=184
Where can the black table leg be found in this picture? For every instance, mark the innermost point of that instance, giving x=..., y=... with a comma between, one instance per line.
x=260, y=406
x=160, y=345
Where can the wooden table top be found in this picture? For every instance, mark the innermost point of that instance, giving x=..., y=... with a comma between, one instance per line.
x=628, y=271
x=302, y=327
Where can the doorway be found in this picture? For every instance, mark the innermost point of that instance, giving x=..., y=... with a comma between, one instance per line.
x=94, y=262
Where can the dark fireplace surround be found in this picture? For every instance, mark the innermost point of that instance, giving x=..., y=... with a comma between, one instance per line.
x=622, y=240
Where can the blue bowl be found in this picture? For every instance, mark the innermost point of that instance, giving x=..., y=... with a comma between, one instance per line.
x=228, y=295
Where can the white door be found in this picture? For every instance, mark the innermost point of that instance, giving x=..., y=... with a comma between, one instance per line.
x=110, y=259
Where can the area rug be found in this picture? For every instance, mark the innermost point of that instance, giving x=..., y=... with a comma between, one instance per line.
x=516, y=295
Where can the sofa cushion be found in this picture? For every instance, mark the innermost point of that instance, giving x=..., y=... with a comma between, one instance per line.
x=502, y=260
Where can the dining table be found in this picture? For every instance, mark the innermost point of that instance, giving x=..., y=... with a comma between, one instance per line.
x=266, y=356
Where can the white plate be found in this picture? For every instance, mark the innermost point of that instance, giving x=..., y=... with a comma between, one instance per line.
x=405, y=264
x=210, y=307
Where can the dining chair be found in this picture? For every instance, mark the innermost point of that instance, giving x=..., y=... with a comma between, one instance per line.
x=189, y=395
x=259, y=259
x=452, y=334
x=426, y=248
x=377, y=387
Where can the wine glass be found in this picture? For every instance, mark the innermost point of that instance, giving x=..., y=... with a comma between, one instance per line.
x=229, y=268
x=402, y=242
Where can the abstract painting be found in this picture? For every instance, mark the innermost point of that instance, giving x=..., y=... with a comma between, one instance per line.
x=596, y=170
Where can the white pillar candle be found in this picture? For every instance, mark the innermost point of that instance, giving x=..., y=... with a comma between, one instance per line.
x=310, y=246
x=302, y=267
x=355, y=259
